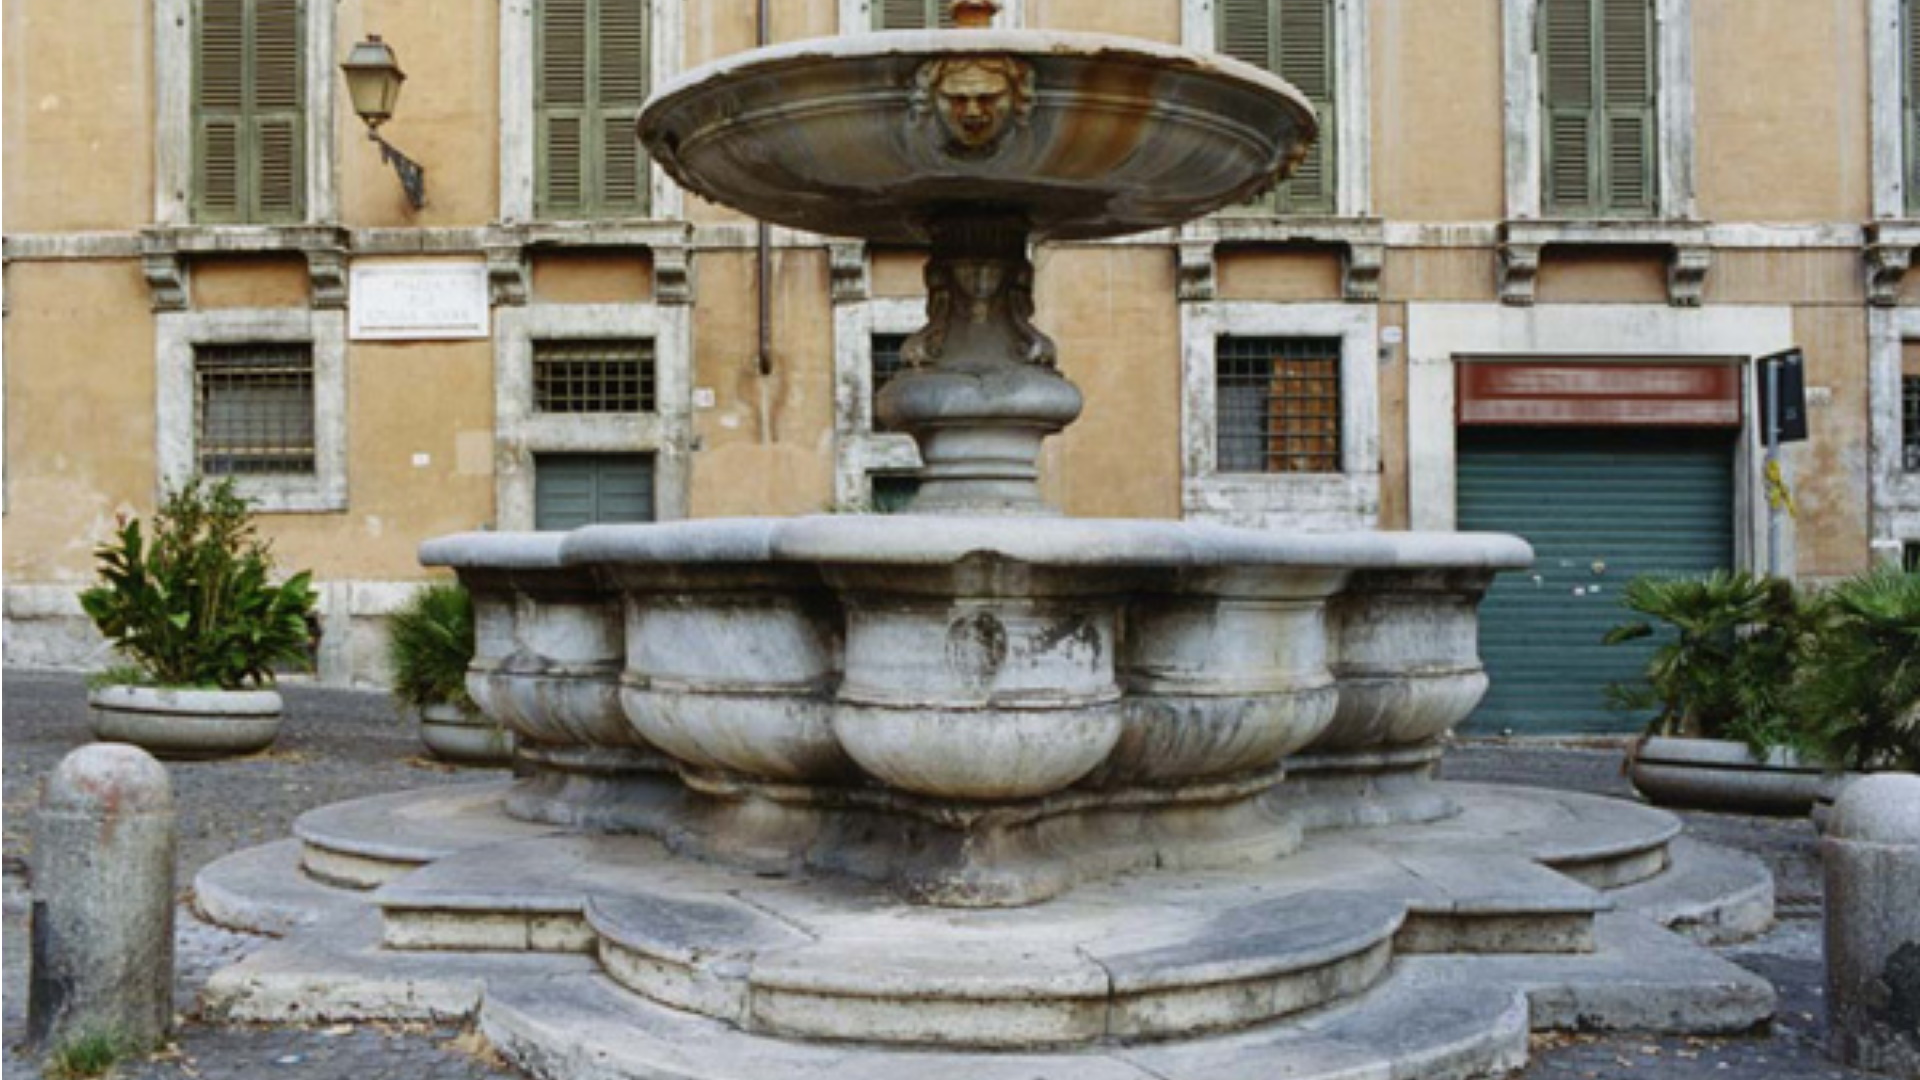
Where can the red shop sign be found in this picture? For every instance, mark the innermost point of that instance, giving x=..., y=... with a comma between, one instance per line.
x=1598, y=395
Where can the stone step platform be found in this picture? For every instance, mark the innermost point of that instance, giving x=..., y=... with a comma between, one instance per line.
x=365, y=843
x=1714, y=895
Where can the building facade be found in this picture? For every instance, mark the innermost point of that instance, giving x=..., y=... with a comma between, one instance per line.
x=1521, y=285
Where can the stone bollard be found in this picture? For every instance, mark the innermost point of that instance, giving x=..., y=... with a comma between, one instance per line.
x=103, y=901
x=1872, y=858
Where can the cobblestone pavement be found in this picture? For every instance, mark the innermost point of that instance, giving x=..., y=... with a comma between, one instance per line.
x=343, y=744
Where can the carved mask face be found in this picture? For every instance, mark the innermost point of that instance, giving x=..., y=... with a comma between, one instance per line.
x=975, y=104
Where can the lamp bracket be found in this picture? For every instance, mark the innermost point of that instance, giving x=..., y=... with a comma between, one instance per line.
x=413, y=178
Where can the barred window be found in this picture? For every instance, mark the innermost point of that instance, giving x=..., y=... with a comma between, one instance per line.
x=1278, y=405
x=253, y=409
x=886, y=363
x=1910, y=423
x=1910, y=557
x=593, y=376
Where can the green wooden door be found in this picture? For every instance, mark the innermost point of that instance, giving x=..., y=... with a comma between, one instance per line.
x=1599, y=507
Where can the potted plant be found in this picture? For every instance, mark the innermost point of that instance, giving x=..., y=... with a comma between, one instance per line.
x=429, y=645
x=1859, y=684
x=194, y=609
x=1725, y=732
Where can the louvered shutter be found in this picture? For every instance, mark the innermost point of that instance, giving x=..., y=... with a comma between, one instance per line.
x=1599, y=106
x=1911, y=103
x=1293, y=39
x=912, y=14
x=1628, y=104
x=1568, y=58
x=249, y=111
x=592, y=81
x=621, y=73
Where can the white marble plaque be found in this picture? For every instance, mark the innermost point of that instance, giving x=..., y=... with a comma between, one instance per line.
x=418, y=301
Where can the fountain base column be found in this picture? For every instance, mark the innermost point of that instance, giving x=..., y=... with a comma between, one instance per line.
x=980, y=390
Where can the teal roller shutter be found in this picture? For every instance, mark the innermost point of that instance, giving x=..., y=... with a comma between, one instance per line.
x=1599, y=508
x=571, y=490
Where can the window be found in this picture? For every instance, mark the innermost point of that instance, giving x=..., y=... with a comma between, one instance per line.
x=893, y=491
x=1278, y=405
x=1910, y=557
x=592, y=77
x=1910, y=423
x=1598, y=107
x=571, y=490
x=886, y=364
x=1292, y=39
x=249, y=111
x=912, y=14
x=591, y=376
x=253, y=409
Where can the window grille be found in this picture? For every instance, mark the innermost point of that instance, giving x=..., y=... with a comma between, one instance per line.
x=253, y=409
x=593, y=376
x=1910, y=557
x=886, y=363
x=893, y=491
x=1278, y=405
x=1910, y=423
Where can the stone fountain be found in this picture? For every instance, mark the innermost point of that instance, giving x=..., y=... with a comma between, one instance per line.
x=981, y=789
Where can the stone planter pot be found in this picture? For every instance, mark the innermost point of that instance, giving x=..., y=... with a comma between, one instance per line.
x=1710, y=774
x=456, y=735
x=185, y=724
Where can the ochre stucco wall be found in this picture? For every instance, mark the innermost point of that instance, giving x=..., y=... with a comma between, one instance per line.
x=79, y=404
x=1303, y=274
x=448, y=117
x=1831, y=468
x=79, y=116
x=1780, y=99
x=249, y=282
x=1602, y=277
x=1437, y=130
x=767, y=444
x=404, y=399
x=1111, y=311
x=592, y=277
x=1157, y=20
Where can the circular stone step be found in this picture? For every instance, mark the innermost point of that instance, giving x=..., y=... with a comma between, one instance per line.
x=1138, y=959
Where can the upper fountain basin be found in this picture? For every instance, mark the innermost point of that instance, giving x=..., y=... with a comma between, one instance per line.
x=876, y=135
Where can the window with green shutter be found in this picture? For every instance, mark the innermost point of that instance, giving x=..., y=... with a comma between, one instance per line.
x=912, y=14
x=1294, y=40
x=1597, y=78
x=249, y=111
x=571, y=490
x=591, y=82
x=1910, y=99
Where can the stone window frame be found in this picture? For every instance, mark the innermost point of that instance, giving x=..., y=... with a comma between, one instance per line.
x=173, y=65
x=859, y=450
x=1675, y=140
x=520, y=432
x=519, y=167
x=1894, y=232
x=856, y=16
x=1348, y=499
x=1353, y=116
x=1894, y=500
x=178, y=334
x=1440, y=333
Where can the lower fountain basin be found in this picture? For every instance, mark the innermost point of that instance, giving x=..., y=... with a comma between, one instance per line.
x=978, y=714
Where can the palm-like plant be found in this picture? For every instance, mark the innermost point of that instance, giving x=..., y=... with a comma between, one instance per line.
x=1727, y=672
x=429, y=645
x=1859, y=686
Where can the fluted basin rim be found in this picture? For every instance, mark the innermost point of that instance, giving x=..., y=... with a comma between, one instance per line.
x=914, y=540
x=1228, y=129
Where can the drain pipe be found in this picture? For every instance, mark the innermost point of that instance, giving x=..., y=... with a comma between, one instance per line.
x=762, y=33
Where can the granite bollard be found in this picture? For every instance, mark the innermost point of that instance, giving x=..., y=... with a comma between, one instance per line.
x=103, y=901
x=1872, y=858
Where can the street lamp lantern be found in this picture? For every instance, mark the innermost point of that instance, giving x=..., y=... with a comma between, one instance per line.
x=373, y=82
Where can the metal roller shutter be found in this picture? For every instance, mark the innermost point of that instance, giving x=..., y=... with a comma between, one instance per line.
x=1599, y=507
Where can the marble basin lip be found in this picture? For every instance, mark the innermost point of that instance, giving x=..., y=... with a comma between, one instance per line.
x=912, y=540
x=1125, y=135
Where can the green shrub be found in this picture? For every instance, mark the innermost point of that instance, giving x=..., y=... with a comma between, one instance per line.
x=194, y=605
x=1859, y=684
x=87, y=1055
x=430, y=644
x=1728, y=670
